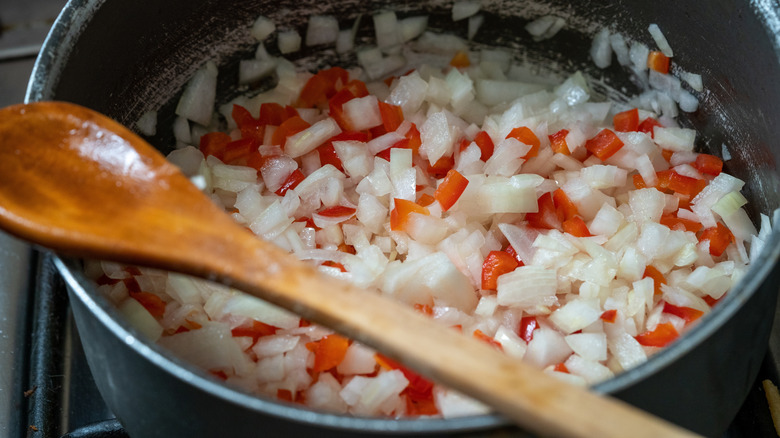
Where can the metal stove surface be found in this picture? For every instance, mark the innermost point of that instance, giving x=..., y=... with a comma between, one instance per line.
x=46, y=389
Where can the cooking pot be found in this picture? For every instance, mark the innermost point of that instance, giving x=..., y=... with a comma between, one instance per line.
x=125, y=57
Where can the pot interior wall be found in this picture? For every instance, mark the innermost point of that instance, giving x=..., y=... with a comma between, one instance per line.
x=125, y=58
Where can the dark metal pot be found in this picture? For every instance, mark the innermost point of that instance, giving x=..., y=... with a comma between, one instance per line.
x=126, y=57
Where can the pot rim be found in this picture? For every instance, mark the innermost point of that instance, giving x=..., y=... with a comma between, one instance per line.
x=66, y=30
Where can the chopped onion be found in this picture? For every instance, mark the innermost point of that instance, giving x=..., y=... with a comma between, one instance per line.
x=660, y=40
x=289, y=41
x=262, y=28
x=197, y=101
x=463, y=9
x=322, y=29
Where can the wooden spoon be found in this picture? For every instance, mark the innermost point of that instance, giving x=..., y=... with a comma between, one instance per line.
x=76, y=182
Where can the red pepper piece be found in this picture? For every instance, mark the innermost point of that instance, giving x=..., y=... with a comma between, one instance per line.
x=626, y=121
x=496, y=264
x=662, y=336
x=524, y=135
x=687, y=313
x=450, y=189
x=399, y=216
x=719, y=236
x=548, y=217
x=527, y=326
x=657, y=276
x=604, y=145
x=558, y=142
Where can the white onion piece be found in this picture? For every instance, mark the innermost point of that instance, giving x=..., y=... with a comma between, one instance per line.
x=210, y=347
x=590, y=346
x=262, y=28
x=412, y=27
x=362, y=112
x=548, y=347
x=147, y=123
x=197, y=101
x=600, y=50
x=660, y=40
x=386, y=29
x=409, y=93
x=592, y=371
x=475, y=22
x=322, y=29
x=675, y=139
x=527, y=286
x=545, y=27
x=575, y=315
x=463, y=9
x=289, y=41
x=140, y=319
x=252, y=70
x=311, y=137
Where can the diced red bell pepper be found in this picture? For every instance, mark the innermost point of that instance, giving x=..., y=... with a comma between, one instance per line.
x=333, y=264
x=561, y=368
x=254, y=330
x=657, y=276
x=357, y=88
x=415, y=141
x=214, y=144
x=460, y=60
x=496, y=264
x=709, y=164
x=609, y=316
x=248, y=125
x=425, y=200
x=676, y=223
x=275, y=114
x=323, y=85
x=687, y=313
x=450, y=189
x=527, y=326
x=239, y=150
x=638, y=181
x=662, y=336
x=547, y=217
x=440, y=168
x=576, y=227
x=563, y=205
x=485, y=143
x=719, y=236
x=419, y=392
x=336, y=109
x=558, y=142
x=151, y=302
x=328, y=155
x=424, y=309
x=604, y=145
x=487, y=339
x=684, y=185
x=289, y=127
x=328, y=352
x=658, y=62
x=337, y=211
x=524, y=135
x=292, y=182
x=399, y=216
x=626, y=121
x=392, y=116
x=647, y=126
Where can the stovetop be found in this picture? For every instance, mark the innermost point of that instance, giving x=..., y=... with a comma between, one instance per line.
x=46, y=389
